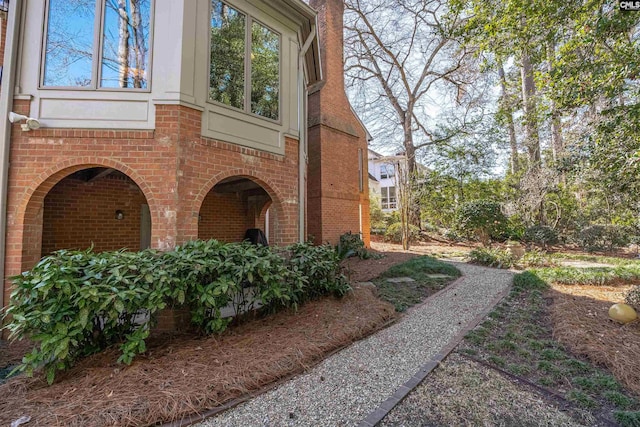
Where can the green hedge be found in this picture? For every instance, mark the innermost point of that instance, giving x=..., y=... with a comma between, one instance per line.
x=76, y=303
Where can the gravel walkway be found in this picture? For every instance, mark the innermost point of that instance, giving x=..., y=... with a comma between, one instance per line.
x=345, y=388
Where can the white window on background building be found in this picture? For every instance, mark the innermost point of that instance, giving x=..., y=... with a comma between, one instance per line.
x=95, y=44
x=387, y=171
x=389, y=198
x=244, y=68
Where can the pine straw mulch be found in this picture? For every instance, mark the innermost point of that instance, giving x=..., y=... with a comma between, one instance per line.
x=11, y=352
x=188, y=374
x=580, y=316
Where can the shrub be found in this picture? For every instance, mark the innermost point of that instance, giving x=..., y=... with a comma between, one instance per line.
x=76, y=303
x=209, y=275
x=376, y=216
x=319, y=267
x=394, y=232
x=351, y=245
x=632, y=297
x=498, y=258
x=540, y=235
x=482, y=219
x=603, y=237
x=452, y=235
x=535, y=258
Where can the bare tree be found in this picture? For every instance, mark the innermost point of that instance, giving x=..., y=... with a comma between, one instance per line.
x=403, y=60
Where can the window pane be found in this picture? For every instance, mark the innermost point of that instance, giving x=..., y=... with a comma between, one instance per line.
x=68, y=53
x=125, y=49
x=226, y=74
x=265, y=70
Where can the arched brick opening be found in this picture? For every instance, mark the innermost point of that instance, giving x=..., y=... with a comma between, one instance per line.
x=264, y=219
x=77, y=206
x=235, y=204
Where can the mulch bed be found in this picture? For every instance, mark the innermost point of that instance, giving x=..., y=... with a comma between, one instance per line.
x=184, y=375
x=581, y=322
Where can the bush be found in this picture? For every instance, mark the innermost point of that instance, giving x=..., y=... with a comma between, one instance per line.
x=498, y=258
x=452, y=235
x=394, y=232
x=352, y=245
x=535, y=258
x=540, y=235
x=76, y=303
x=319, y=267
x=632, y=297
x=482, y=219
x=210, y=275
x=603, y=237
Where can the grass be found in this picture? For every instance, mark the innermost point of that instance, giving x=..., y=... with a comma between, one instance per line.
x=405, y=295
x=597, y=276
x=627, y=418
x=517, y=336
x=595, y=258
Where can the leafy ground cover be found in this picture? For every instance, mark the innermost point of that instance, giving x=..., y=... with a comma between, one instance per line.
x=523, y=337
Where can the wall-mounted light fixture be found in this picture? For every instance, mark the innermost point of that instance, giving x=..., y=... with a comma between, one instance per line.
x=119, y=215
x=31, y=123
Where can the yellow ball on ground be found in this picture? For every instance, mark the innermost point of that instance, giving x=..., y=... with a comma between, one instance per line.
x=622, y=313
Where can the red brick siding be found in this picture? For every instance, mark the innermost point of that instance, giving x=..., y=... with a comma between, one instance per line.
x=224, y=217
x=78, y=214
x=335, y=135
x=174, y=167
x=3, y=35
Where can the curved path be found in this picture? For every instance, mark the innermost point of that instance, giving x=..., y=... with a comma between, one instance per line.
x=358, y=385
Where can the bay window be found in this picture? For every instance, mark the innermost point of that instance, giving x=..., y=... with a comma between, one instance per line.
x=244, y=68
x=95, y=44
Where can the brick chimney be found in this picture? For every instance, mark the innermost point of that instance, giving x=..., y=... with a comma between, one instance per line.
x=338, y=195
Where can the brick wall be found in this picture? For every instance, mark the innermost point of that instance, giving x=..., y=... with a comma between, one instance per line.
x=174, y=167
x=335, y=137
x=79, y=214
x=3, y=35
x=224, y=217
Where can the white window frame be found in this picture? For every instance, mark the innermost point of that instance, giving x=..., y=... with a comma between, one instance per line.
x=96, y=62
x=249, y=20
x=385, y=167
x=389, y=205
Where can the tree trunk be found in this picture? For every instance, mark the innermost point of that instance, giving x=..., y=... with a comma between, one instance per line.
x=123, y=46
x=138, y=44
x=532, y=140
x=507, y=107
x=557, y=144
